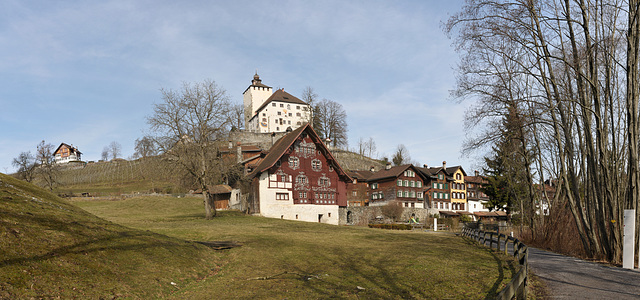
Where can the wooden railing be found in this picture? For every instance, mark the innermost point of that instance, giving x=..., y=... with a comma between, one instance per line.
x=517, y=287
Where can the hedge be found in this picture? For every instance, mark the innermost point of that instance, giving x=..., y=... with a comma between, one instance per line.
x=391, y=226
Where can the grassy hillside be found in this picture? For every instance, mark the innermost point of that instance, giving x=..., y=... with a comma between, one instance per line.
x=298, y=260
x=49, y=248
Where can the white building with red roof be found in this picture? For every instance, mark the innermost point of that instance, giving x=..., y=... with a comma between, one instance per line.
x=267, y=111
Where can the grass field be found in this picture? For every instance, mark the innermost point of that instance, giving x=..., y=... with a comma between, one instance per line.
x=51, y=249
x=296, y=260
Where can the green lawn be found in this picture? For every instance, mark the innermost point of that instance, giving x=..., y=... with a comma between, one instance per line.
x=297, y=260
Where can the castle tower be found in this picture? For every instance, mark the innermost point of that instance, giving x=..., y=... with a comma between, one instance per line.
x=254, y=96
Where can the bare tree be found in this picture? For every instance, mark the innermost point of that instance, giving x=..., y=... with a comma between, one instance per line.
x=331, y=122
x=26, y=164
x=47, y=169
x=367, y=147
x=569, y=71
x=237, y=117
x=401, y=156
x=190, y=127
x=310, y=97
x=115, y=149
x=105, y=153
x=145, y=147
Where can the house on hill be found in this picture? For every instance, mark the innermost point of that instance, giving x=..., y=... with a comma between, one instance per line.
x=66, y=154
x=299, y=179
x=268, y=112
x=404, y=184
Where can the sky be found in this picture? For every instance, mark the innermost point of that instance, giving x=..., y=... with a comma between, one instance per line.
x=88, y=72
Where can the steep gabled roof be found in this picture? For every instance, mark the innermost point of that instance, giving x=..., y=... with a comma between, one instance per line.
x=394, y=172
x=286, y=142
x=282, y=96
x=452, y=170
x=362, y=175
x=71, y=148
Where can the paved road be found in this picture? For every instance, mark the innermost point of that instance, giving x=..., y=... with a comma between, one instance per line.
x=572, y=278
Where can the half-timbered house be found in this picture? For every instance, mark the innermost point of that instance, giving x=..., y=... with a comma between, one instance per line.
x=299, y=179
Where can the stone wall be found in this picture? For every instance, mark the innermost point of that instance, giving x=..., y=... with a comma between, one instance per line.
x=363, y=215
x=262, y=140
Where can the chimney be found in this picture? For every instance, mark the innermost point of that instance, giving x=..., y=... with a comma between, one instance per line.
x=372, y=169
x=477, y=173
x=444, y=164
x=388, y=166
x=425, y=166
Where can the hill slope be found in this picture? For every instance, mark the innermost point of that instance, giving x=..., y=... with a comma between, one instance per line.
x=49, y=248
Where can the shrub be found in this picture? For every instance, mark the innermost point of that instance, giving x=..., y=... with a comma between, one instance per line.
x=392, y=226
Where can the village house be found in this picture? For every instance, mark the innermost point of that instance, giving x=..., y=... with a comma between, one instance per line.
x=358, y=189
x=66, y=154
x=299, y=179
x=476, y=199
x=437, y=187
x=403, y=184
x=458, y=189
x=267, y=111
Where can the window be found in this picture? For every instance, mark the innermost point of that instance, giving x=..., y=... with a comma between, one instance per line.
x=273, y=104
x=297, y=114
x=264, y=115
x=374, y=186
x=288, y=106
x=406, y=183
x=435, y=195
x=290, y=114
x=283, y=178
x=413, y=183
x=297, y=106
x=435, y=185
x=405, y=194
x=354, y=193
x=458, y=177
x=279, y=113
x=281, y=105
x=294, y=162
x=282, y=196
x=446, y=196
x=316, y=165
x=399, y=182
x=419, y=184
x=412, y=194
x=301, y=179
x=440, y=176
x=419, y=195
x=440, y=185
x=399, y=193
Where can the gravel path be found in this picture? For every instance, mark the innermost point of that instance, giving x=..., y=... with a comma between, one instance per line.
x=572, y=278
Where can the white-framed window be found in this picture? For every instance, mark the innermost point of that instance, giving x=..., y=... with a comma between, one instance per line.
x=374, y=186
x=412, y=183
x=399, y=193
x=412, y=194
x=419, y=184
x=419, y=195
x=405, y=194
x=446, y=196
x=440, y=176
x=316, y=164
x=435, y=185
x=301, y=179
x=294, y=162
x=282, y=196
x=399, y=182
x=406, y=182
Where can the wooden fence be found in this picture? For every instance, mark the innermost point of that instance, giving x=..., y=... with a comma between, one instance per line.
x=517, y=287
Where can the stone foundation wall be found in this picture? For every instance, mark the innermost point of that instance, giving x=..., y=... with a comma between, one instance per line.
x=363, y=215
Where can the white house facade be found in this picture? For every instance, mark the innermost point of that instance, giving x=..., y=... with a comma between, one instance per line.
x=267, y=111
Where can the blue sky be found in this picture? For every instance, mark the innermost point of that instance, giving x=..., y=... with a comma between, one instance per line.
x=88, y=72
